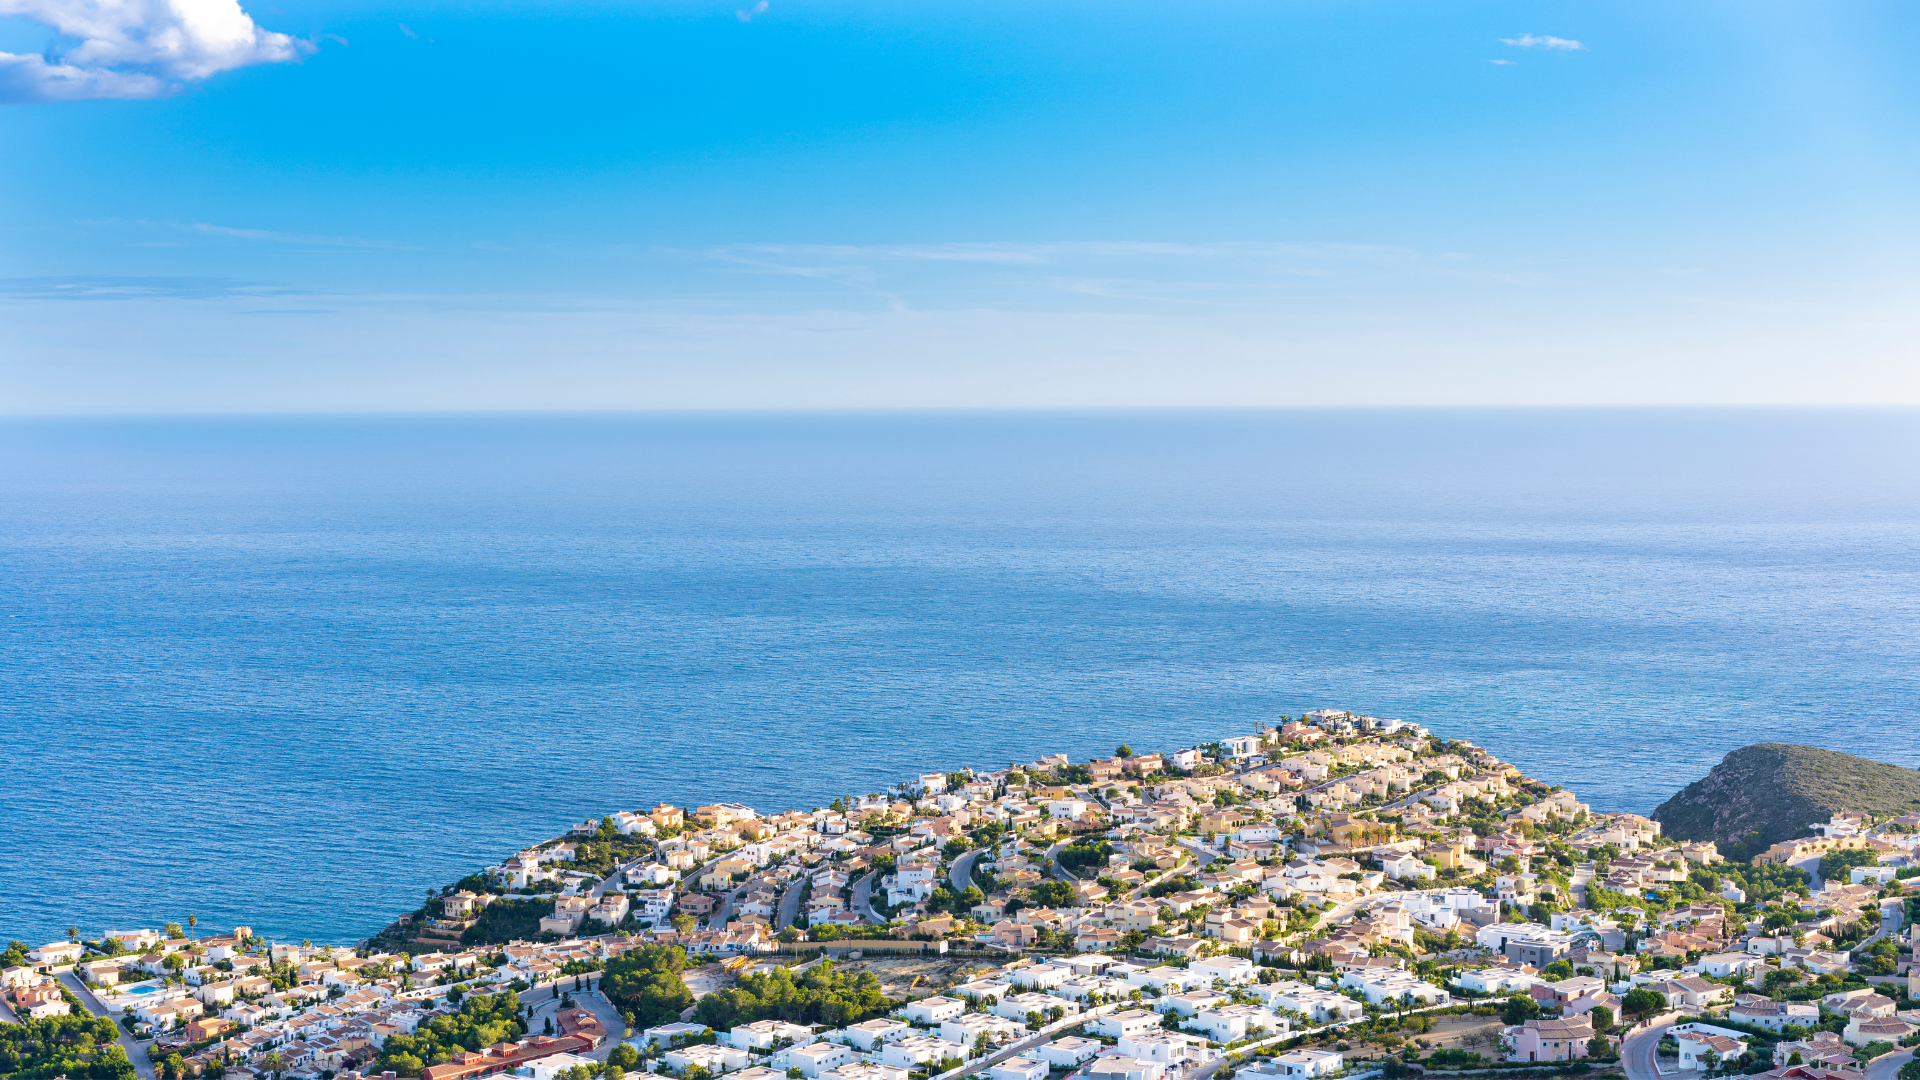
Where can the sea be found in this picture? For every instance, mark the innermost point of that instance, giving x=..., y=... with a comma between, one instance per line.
x=294, y=672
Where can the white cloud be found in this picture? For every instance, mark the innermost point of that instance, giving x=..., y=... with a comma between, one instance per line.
x=1502, y=63
x=136, y=48
x=1543, y=41
x=745, y=15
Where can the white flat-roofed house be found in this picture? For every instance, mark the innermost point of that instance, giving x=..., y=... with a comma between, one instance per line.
x=918, y=1050
x=814, y=1058
x=1020, y=1068
x=1020, y=1006
x=714, y=1059
x=551, y=1066
x=1231, y=970
x=758, y=1072
x=934, y=1010
x=1069, y=1051
x=1165, y=978
x=866, y=1070
x=869, y=1034
x=1298, y=1065
x=967, y=1030
x=1166, y=1047
x=1323, y=1006
x=668, y=1034
x=1126, y=1022
x=1393, y=985
x=1229, y=1023
x=1040, y=976
x=765, y=1034
x=1121, y=1067
x=1189, y=1003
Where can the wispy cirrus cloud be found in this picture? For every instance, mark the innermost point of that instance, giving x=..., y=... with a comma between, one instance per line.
x=1544, y=41
x=135, y=48
x=305, y=239
x=136, y=288
x=747, y=14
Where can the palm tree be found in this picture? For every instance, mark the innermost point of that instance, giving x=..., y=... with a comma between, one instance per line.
x=73, y=933
x=274, y=1063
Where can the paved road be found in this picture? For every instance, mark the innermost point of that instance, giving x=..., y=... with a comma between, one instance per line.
x=960, y=874
x=1199, y=850
x=863, y=898
x=790, y=904
x=1891, y=913
x=137, y=1052
x=1054, y=869
x=618, y=869
x=1887, y=1066
x=1636, y=1053
x=544, y=1002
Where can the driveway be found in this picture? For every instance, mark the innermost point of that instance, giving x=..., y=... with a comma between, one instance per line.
x=136, y=1052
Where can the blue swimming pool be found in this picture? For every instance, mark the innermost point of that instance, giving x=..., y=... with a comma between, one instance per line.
x=143, y=990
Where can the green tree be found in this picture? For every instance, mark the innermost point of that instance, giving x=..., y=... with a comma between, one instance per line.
x=646, y=981
x=1519, y=1009
x=1641, y=1001
x=624, y=1056
x=1602, y=1018
x=1123, y=751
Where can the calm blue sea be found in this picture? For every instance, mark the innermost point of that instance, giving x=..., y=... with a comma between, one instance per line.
x=293, y=672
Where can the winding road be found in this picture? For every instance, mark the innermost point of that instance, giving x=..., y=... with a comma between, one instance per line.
x=1887, y=1066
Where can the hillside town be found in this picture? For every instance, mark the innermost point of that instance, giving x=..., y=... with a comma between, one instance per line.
x=1329, y=895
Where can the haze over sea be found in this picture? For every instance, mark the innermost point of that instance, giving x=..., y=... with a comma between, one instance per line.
x=293, y=672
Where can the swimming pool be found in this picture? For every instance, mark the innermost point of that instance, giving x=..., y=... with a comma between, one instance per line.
x=142, y=990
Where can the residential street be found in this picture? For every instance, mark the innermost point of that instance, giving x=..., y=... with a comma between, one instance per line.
x=1637, y=1051
x=135, y=1051
x=1888, y=1066
x=863, y=898
x=960, y=874
x=790, y=904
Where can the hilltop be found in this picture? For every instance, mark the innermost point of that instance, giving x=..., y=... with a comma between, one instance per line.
x=1768, y=792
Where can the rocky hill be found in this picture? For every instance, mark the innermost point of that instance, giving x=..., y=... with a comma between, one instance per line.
x=1768, y=792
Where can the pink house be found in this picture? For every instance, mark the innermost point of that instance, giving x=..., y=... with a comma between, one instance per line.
x=1551, y=1040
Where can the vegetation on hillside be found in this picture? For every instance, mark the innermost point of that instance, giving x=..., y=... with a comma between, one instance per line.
x=507, y=920
x=483, y=1020
x=70, y=1046
x=821, y=995
x=1762, y=794
x=646, y=987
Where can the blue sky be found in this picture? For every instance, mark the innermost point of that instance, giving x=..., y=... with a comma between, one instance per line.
x=354, y=206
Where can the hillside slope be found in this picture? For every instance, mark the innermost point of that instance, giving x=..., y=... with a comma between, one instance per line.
x=1769, y=792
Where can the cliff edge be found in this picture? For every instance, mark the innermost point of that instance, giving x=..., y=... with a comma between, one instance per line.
x=1768, y=792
